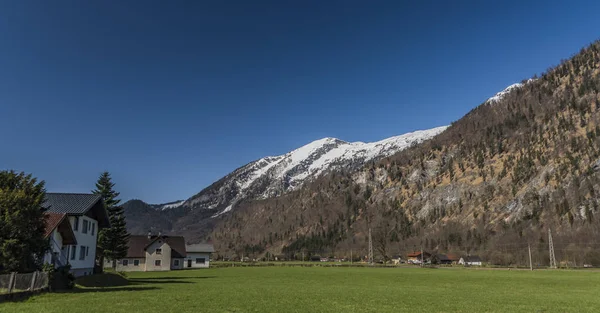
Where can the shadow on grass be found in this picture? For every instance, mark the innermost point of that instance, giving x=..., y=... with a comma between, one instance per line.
x=175, y=277
x=102, y=280
x=108, y=289
x=152, y=281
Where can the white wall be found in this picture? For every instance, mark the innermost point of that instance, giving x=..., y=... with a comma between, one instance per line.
x=56, y=244
x=197, y=255
x=85, y=266
x=152, y=256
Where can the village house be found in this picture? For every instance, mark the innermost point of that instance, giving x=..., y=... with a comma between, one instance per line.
x=443, y=259
x=454, y=258
x=198, y=255
x=417, y=257
x=152, y=253
x=472, y=260
x=77, y=247
x=396, y=259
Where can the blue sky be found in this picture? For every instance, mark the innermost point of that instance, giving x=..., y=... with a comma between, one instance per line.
x=169, y=96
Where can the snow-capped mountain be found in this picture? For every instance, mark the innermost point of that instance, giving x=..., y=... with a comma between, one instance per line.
x=274, y=175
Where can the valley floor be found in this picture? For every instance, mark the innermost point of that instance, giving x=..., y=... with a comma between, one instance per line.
x=315, y=289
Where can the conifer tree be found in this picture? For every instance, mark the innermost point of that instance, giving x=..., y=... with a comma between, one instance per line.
x=22, y=222
x=112, y=241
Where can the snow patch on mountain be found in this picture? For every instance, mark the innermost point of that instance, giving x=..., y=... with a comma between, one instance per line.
x=171, y=205
x=499, y=96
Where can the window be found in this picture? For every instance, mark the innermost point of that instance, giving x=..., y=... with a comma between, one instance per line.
x=82, y=252
x=76, y=223
x=85, y=227
x=136, y=262
x=87, y=251
x=200, y=260
x=158, y=251
x=73, y=249
x=176, y=263
x=93, y=227
x=125, y=262
x=156, y=262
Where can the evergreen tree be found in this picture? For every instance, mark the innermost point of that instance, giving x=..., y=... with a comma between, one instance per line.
x=22, y=222
x=112, y=241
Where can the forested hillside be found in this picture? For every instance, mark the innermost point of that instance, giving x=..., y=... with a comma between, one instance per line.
x=495, y=181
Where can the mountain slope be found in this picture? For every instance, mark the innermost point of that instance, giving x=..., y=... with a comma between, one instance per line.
x=266, y=178
x=522, y=163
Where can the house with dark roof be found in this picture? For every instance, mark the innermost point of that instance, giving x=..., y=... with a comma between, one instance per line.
x=152, y=253
x=86, y=215
x=443, y=259
x=471, y=260
x=198, y=255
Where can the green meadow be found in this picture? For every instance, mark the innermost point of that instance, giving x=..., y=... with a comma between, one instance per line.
x=326, y=289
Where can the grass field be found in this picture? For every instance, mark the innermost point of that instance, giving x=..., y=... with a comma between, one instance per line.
x=314, y=289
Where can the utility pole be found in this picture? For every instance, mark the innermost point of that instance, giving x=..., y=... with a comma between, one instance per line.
x=302, y=255
x=421, y=256
x=350, y=256
x=530, y=264
x=370, y=248
x=551, y=250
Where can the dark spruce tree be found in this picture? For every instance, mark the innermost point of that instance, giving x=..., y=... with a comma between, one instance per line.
x=22, y=223
x=112, y=241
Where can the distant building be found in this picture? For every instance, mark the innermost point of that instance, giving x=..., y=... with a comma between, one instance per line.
x=472, y=260
x=443, y=259
x=152, y=253
x=396, y=259
x=454, y=258
x=417, y=258
x=198, y=255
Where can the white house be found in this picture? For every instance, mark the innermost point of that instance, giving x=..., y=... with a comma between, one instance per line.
x=472, y=260
x=198, y=255
x=87, y=215
x=152, y=253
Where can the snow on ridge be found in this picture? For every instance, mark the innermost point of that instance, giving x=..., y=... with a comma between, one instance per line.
x=499, y=96
x=172, y=205
x=313, y=159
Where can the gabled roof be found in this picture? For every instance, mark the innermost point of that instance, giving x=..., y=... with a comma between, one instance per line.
x=52, y=220
x=139, y=243
x=200, y=247
x=442, y=257
x=417, y=253
x=77, y=204
x=453, y=257
x=60, y=221
x=472, y=258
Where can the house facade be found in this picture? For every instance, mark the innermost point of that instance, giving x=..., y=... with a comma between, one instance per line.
x=86, y=215
x=152, y=253
x=198, y=255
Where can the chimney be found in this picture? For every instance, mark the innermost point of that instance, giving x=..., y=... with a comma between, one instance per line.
x=149, y=234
